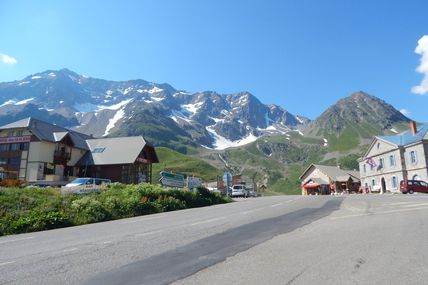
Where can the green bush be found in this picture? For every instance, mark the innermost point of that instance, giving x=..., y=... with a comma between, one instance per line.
x=35, y=221
x=35, y=209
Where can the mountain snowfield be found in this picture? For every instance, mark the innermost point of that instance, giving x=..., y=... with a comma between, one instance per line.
x=103, y=108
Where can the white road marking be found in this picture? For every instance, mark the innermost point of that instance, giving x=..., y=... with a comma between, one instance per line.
x=276, y=205
x=208, y=221
x=400, y=203
x=148, y=233
x=14, y=240
x=415, y=205
x=379, y=213
x=6, y=263
x=252, y=211
x=70, y=249
x=108, y=242
x=141, y=220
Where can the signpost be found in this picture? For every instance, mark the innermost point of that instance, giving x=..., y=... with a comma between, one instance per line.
x=171, y=179
x=193, y=183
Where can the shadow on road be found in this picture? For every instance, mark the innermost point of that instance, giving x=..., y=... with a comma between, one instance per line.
x=186, y=260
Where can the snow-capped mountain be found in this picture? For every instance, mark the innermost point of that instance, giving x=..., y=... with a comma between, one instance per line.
x=158, y=111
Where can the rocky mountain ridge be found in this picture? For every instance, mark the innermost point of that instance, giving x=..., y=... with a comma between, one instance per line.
x=103, y=108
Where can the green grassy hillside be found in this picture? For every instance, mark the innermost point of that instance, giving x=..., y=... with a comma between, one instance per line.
x=190, y=165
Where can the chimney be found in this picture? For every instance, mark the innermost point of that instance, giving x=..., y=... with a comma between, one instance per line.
x=413, y=127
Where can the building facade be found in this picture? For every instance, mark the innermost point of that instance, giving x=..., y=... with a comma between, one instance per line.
x=324, y=180
x=32, y=150
x=391, y=159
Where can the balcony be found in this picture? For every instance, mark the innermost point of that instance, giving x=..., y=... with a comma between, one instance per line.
x=61, y=157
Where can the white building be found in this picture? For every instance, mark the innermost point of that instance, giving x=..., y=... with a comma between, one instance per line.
x=391, y=159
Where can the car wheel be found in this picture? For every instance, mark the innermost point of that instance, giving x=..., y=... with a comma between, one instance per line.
x=411, y=191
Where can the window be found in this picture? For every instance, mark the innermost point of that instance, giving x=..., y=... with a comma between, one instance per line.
x=10, y=133
x=24, y=146
x=98, y=150
x=3, y=160
x=15, y=146
x=378, y=145
x=391, y=160
x=380, y=163
x=413, y=157
x=19, y=133
x=4, y=147
x=373, y=182
x=15, y=160
x=394, y=182
x=364, y=167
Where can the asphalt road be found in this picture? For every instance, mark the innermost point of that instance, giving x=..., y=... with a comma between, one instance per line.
x=365, y=239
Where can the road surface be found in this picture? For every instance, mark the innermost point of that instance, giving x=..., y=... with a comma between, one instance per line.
x=359, y=239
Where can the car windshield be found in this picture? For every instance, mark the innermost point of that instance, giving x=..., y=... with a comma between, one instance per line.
x=80, y=180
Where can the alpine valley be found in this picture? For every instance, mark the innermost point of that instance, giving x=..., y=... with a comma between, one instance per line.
x=226, y=131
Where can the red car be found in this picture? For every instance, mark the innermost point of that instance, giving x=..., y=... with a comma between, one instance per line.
x=411, y=186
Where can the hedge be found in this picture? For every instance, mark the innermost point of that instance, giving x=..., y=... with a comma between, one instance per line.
x=25, y=210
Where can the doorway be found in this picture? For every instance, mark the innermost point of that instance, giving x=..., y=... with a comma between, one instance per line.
x=383, y=185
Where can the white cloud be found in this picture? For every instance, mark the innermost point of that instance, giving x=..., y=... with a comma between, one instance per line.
x=7, y=59
x=422, y=49
x=405, y=112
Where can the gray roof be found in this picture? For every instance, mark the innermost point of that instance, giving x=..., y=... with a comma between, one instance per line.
x=407, y=137
x=335, y=173
x=47, y=132
x=107, y=151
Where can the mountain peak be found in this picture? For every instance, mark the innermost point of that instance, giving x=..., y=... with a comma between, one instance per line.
x=361, y=109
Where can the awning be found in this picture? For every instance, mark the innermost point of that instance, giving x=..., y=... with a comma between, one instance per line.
x=311, y=185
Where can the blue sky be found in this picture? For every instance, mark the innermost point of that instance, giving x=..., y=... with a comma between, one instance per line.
x=302, y=55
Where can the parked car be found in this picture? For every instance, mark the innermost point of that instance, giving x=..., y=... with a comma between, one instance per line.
x=411, y=186
x=85, y=185
x=239, y=191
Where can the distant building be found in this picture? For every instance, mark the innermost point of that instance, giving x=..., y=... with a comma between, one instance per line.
x=32, y=150
x=391, y=159
x=324, y=179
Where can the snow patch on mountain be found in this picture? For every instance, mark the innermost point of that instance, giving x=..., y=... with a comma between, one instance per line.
x=8, y=102
x=112, y=122
x=192, y=108
x=115, y=106
x=154, y=90
x=298, y=119
x=24, y=101
x=221, y=142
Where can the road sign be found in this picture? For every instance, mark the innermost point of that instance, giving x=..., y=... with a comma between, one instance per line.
x=193, y=182
x=172, y=179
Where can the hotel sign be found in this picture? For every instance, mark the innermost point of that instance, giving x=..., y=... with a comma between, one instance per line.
x=15, y=139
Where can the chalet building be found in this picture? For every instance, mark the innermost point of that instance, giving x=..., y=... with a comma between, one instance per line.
x=391, y=159
x=324, y=180
x=32, y=150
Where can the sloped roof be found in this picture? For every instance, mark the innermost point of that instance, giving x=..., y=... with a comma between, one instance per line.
x=335, y=173
x=47, y=132
x=107, y=151
x=318, y=180
x=407, y=137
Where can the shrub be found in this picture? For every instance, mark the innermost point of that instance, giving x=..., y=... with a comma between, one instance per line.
x=88, y=210
x=35, y=221
x=34, y=209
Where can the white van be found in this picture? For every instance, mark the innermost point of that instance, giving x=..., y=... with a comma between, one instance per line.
x=239, y=191
x=85, y=185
